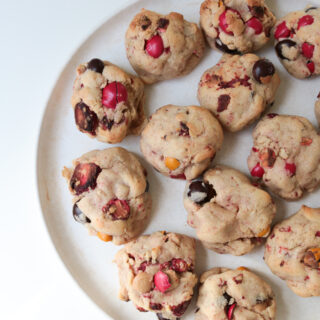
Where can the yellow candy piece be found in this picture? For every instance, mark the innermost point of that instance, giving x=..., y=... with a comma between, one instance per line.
x=263, y=232
x=316, y=253
x=172, y=163
x=104, y=237
x=243, y=268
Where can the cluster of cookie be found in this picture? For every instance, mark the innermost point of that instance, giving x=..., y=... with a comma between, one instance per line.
x=230, y=213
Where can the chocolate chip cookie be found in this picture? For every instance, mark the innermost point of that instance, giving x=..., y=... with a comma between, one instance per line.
x=238, y=89
x=293, y=251
x=317, y=109
x=234, y=295
x=110, y=192
x=156, y=273
x=298, y=43
x=286, y=155
x=229, y=214
x=236, y=27
x=181, y=142
x=107, y=101
x=161, y=47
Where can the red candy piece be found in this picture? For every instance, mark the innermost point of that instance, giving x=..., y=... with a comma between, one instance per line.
x=231, y=310
x=161, y=281
x=307, y=50
x=282, y=31
x=179, y=176
x=291, y=167
x=154, y=46
x=310, y=66
x=257, y=171
x=255, y=24
x=114, y=93
x=305, y=21
x=223, y=21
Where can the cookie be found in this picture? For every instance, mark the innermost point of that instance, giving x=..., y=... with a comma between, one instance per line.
x=161, y=47
x=297, y=42
x=181, y=142
x=230, y=214
x=234, y=295
x=156, y=273
x=286, y=155
x=293, y=251
x=111, y=195
x=238, y=89
x=317, y=109
x=236, y=27
x=107, y=101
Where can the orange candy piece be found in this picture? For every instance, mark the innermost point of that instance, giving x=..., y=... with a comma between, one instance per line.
x=104, y=237
x=243, y=268
x=172, y=163
x=316, y=253
x=263, y=232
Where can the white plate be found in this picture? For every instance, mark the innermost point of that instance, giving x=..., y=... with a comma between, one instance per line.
x=88, y=259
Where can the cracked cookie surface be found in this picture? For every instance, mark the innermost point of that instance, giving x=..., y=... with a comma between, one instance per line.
x=230, y=215
x=293, y=251
x=181, y=142
x=161, y=47
x=298, y=42
x=110, y=192
x=239, y=294
x=286, y=155
x=107, y=101
x=238, y=89
x=156, y=273
x=236, y=26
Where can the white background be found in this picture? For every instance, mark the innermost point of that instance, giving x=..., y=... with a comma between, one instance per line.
x=37, y=39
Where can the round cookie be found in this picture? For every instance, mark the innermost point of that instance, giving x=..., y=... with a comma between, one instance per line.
x=298, y=43
x=230, y=215
x=286, y=155
x=181, y=142
x=161, y=47
x=238, y=89
x=293, y=251
x=234, y=294
x=107, y=101
x=111, y=195
x=156, y=273
x=236, y=26
x=317, y=109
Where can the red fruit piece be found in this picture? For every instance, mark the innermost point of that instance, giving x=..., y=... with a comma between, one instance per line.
x=223, y=21
x=272, y=115
x=86, y=119
x=310, y=66
x=307, y=50
x=179, y=265
x=180, y=309
x=255, y=24
x=154, y=46
x=291, y=168
x=179, y=176
x=84, y=177
x=257, y=171
x=161, y=281
x=114, y=93
x=318, y=234
x=282, y=31
x=117, y=209
x=231, y=310
x=223, y=102
x=305, y=21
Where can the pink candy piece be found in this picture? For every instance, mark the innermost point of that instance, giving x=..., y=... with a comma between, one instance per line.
x=255, y=24
x=114, y=93
x=223, y=21
x=307, y=50
x=154, y=46
x=305, y=21
x=231, y=310
x=311, y=66
x=282, y=31
x=161, y=281
x=257, y=171
x=291, y=167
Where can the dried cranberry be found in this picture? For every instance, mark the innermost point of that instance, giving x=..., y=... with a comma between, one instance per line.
x=96, y=65
x=143, y=266
x=86, y=120
x=262, y=69
x=317, y=234
x=257, y=171
x=223, y=102
x=154, y=46
x=78, y=215
x=291, y=168
x=179, y=265
x=307, y=50
x=184, y=130
x=179, y=176
x=224, y=48
x=180, y=309
x=163, y=24
x=282, y=31
x=201, y=192
x=288, y=43
x=117, y=209
x=272, y=115
x=255, y=24
x=155, y=306
x=145, y=23
x=84, y=177
x=114, y=93
x=223, y=20
x=305, y=21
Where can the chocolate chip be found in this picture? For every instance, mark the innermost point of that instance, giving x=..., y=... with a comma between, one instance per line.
x=220, y=45
x=147, y=187
x=163, y=23
x=227, y=297
x=201, y=192
x=78, y=215
x=145, y=23
x=223, y=102
x=311, y=8
x=160, y=317
x=106, y=123
x=96, y=65
x=261, y=69
x=287, y=43
x=257, y=11
x=184, y=130
x=155, y=306
x=86, y=120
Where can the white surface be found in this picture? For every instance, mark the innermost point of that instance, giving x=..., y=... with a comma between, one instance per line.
x=38, y=40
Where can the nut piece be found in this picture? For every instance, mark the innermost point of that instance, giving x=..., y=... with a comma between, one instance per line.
x=142, y=282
